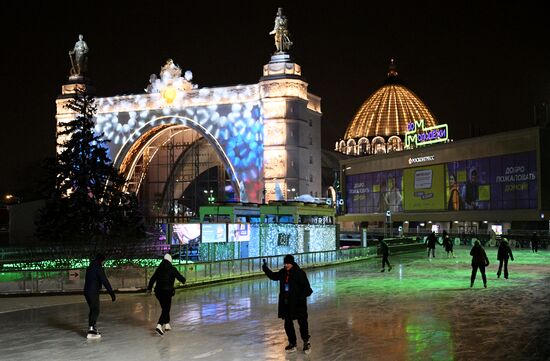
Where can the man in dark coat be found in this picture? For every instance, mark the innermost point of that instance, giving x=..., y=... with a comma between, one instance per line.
x=385, y=251
x=504, y=251
x=164, y=277
x=293, y=292
x=535, y=243
x=95, y=279
x=479, y=260
x=431, y=241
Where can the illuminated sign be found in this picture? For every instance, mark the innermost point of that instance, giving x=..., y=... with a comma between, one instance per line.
x=427, y=158
x=417, y=135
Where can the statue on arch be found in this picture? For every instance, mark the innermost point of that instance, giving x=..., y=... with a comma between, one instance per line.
x=79, y=57
x=280, y=30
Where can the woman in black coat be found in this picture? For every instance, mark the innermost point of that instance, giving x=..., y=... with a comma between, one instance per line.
x=431, y=241
x=294, y=289
x=479, y=260
x=164, y=277
x=504, y=252
x=448, y=244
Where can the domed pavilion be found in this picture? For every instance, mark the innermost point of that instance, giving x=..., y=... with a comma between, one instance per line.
x=380, y=124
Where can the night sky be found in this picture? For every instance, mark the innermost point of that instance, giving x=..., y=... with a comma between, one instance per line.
x=477, y=67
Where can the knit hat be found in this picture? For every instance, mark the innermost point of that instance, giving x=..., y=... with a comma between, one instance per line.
x=289, y=259
x=168, y=257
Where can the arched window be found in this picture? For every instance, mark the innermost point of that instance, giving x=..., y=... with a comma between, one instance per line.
x=378, y=145
x=363, y=146
x=351, y=147
x=395, y=144
x=342, y=147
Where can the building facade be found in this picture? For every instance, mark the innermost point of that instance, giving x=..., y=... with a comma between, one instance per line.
x=463, y=186
x=180, y=146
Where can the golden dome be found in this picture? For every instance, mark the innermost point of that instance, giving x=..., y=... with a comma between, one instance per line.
x=388, y=111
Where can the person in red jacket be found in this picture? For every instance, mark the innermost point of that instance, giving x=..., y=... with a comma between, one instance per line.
x=479, y=260
x=294, y=289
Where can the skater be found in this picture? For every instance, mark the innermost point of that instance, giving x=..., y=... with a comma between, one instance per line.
x=431, y=241
x=164, y=278
x=95, y=279
x=479, y=260
x=448, y=244
x=504, y=251
x=385, y=250
x=293, y=292
x=535, y=243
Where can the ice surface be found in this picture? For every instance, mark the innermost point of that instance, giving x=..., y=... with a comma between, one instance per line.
x=421, y=310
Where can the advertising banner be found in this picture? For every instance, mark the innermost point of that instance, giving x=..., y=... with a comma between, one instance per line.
x=213, y=232
x=501, y=182
x=424, y=188
x=184, y=233
x=239, y=232
x=374, y=192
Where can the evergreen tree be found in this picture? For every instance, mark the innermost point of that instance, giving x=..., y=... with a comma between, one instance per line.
x=86, y=205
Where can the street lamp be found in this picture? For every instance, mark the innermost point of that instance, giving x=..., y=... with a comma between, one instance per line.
x=288, y=192
x=210, y=196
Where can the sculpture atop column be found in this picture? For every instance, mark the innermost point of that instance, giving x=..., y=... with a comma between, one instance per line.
x=79, y=57
x=282, y=35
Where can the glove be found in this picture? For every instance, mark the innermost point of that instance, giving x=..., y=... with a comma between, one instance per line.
x=512, y=258
x=264, y=262
x=113, y=296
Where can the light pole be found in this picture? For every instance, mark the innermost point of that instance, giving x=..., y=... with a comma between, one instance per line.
x=288, y=192
x=210, y=196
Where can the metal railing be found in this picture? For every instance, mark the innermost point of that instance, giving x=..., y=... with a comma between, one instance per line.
x=135, y=279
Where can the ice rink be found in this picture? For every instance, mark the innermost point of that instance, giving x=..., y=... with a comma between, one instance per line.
x=421, y=310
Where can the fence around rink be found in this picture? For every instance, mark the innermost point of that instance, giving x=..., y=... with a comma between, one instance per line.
x=127, y=279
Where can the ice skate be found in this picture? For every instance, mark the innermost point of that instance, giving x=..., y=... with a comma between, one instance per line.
x=93, y=333
x=389, y=269
x=383, y=270
x=167, y=327
x=159, y=330
x=290, y=348
x=307, y=347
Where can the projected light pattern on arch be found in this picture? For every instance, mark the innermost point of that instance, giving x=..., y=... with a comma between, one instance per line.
x=237, y=126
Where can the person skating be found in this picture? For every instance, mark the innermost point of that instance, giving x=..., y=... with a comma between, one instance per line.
x=504, y=252
x=95, y=279
x=448, y=244
x=164, y=278
x=385, y=251
x=294, y=289
x=431, y=241
x=479, y=260
x=535, y=243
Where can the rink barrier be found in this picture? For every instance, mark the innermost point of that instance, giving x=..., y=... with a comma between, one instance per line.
x=134, y=279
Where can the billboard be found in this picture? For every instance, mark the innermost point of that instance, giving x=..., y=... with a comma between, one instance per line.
x=184, y=233
x=213, y=232
x=424, y=188
x=501, y=182
x=374, y=192
x=239, y=232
